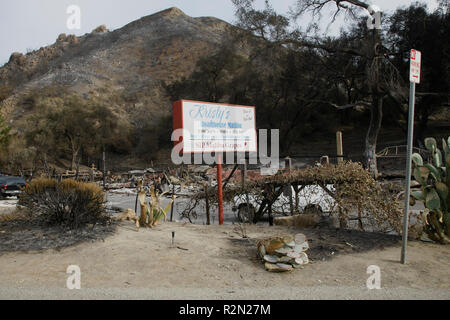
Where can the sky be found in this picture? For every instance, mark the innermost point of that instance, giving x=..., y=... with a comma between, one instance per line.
x=27, y=25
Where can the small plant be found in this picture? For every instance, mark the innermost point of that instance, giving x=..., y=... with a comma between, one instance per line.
x=434, y=178
x=69, y=203
x=156, y=211
x=150, y=216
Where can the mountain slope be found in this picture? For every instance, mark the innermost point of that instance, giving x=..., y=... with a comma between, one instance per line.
x=131, y=62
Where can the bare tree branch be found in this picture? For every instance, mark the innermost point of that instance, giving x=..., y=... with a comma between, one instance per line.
x=359, y=104
x=329, y=49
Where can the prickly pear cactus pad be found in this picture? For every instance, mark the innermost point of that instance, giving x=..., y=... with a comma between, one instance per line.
x=434, y=179
x=284, y=253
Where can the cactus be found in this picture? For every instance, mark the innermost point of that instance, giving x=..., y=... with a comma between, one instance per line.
x=150, y=216
x=434, y=178
x=156, y=212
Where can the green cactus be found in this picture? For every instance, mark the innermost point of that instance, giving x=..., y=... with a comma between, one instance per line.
x=156, y=212
x=435, y=181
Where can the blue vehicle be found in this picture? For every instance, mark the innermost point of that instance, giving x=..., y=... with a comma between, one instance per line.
x=11, y=186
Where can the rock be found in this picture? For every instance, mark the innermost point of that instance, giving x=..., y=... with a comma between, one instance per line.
x=128, y=214
x=278, y=256
x=61, y=38
x=279, y=267
x=18, y=58
x=291, y=244
x=301, y=247
x=262, y=250
x=294, y=255
x=273, y=245
x=285, y=259
x=72, y=39
x=305, y=258
x=288, y=239
x=272, y=267
x=284, y=267
x=283, y=251
x=302, y=260
x=100, y=29
x=299, y=238
x=270, y=259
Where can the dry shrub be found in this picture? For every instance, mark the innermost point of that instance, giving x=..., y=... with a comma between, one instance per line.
x=355, y=192
x=16, y=215
x=69, y=203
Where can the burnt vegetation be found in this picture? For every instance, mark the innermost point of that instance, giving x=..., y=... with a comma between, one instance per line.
x=303, y=83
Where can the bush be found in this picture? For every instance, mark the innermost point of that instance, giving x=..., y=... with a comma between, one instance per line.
x=434, y=178
x=69, y=204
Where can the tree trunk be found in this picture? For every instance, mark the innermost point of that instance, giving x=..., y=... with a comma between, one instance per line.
x=376, y=111
x=419, y=130
x=75, y=151
x=376, y=116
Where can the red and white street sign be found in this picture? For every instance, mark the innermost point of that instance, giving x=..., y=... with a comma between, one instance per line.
x=415, y=66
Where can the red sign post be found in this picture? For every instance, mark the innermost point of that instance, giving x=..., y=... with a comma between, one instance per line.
x=219, y=187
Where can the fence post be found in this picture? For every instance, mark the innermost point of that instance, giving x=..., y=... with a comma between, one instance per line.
x=288, y=165
x=173, y=204
x=340, y=149
x=243, y=177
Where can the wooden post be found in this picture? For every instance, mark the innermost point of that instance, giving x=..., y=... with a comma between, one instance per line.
x=173, y=204
x=296, y=190
x=93, y=173
x=137, y=197
x=325, y=160
x=104, y=167
x=288, y=165
x=229, y=177
x=243, y=178
x=340, y=148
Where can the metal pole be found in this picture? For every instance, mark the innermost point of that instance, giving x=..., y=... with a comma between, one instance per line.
x=219, y=187
x=412, y=94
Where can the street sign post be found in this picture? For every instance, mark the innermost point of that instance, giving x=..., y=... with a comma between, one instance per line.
x=414, y=77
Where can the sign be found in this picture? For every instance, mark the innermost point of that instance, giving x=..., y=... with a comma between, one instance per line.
x=415, y=66
x=215, y=127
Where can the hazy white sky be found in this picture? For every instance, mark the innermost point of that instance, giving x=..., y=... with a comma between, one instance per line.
x=30, y=24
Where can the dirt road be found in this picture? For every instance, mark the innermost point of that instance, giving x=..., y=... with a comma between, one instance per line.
x=217, y=262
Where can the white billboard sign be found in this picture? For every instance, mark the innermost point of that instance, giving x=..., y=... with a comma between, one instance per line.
x=215, y=127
